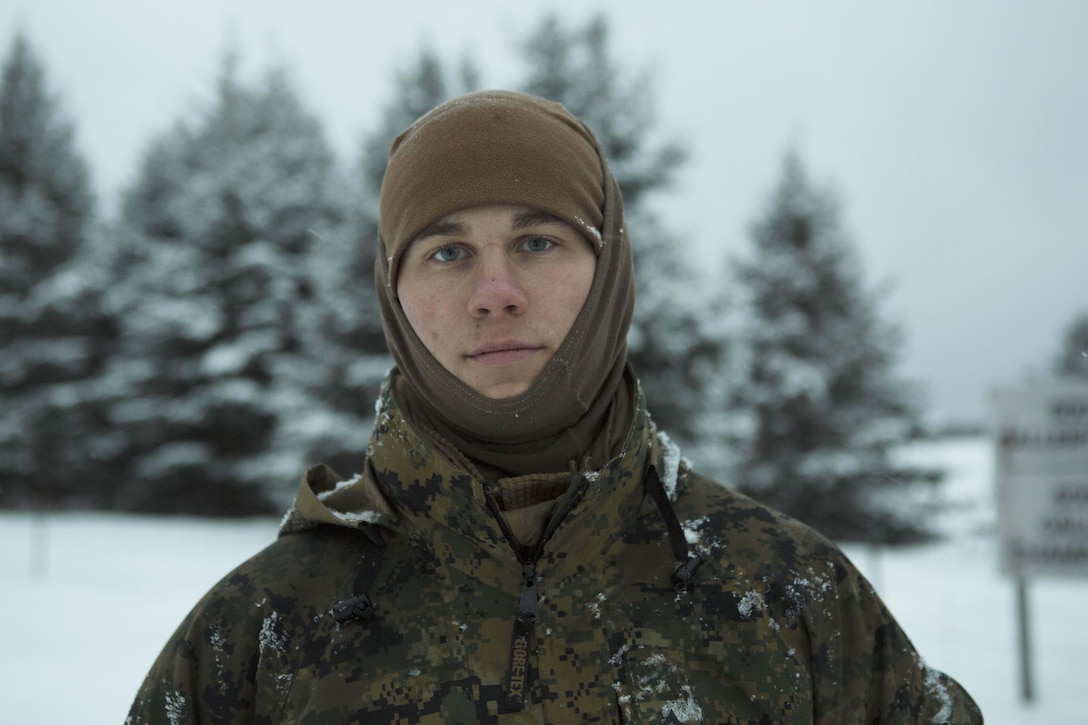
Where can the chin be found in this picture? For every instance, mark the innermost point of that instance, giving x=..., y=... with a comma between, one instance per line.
x=499, y=391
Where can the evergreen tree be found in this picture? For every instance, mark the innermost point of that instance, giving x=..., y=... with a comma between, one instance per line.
x=819, y=408
x=419, y=87
x=1072, y=359
x=353, y=343
x=574, y=66
x=216, y=258
x=680, y=345
x=51, y=325
x=45, y=190
x=677, y=344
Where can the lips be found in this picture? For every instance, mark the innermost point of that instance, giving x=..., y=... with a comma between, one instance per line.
x=506, y=352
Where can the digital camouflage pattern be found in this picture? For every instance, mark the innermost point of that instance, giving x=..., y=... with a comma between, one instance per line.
x=777, y=626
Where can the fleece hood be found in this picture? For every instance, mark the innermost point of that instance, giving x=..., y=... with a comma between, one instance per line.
x=501, y=147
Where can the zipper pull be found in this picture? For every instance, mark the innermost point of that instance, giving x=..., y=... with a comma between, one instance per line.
x=519, y=645
x=527, y=607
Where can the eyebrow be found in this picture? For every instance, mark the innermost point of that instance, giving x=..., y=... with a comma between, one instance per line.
x=533, y=217
x=522, y=220
x=440, y=229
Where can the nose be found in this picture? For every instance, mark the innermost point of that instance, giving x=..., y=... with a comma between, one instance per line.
x=497, y=287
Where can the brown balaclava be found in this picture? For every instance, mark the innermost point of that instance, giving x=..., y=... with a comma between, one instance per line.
x=501, y=147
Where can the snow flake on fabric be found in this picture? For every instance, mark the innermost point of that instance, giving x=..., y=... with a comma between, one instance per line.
x=595, y=605
x=176, y=708
x=286, y=518
x=658, y=684
x=683, y=709
x=691, y=530
x=215, y=639
x=699, y=539
x=653, y=682
x=357, y=517
x=271, y=638
x=349, y=517
x=381, y=412
x=937, y=688
x=750, y=604
x=812, y=587
x=340, y=486
x=590, y=229
x=617, y=659
x=671, y=473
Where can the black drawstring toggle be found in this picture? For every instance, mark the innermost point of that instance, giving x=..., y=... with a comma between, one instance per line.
x=355, y=609
x=360, y=607
x=684, y=573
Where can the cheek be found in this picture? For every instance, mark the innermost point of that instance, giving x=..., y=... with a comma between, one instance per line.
x=424, y=315
x=577, y=292
x=418, y=314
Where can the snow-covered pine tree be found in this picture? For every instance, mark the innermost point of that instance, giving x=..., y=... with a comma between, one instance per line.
x=45, y=192
x=1072, y=358
x=819, y=412
x=215, y=255
x=51, y=325
x=353, y=344
x=574, y=66
x=417, y=88
x=677, y=344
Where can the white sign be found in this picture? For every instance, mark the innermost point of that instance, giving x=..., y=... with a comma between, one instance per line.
x=1041, y=475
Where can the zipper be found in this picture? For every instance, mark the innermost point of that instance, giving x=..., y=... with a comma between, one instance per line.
x=518, y=680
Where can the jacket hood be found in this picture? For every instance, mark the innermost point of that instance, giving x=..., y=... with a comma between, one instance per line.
x=411, y=475
x=325, y=498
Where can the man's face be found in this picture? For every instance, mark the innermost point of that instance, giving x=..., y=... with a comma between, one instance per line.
x=492, y=291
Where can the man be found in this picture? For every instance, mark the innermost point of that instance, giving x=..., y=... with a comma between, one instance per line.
x=523, y=545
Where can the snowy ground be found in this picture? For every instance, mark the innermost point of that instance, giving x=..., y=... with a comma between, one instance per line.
x=84, y=612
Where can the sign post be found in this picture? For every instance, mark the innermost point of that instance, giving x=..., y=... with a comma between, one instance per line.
x=1041, y=478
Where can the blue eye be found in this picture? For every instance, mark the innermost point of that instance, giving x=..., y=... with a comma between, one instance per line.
x=448, y=254
x=539, y=244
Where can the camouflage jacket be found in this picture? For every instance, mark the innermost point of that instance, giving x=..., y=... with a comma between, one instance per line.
x=656, y=596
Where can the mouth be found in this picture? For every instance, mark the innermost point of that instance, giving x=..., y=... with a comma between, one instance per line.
x=503, y=353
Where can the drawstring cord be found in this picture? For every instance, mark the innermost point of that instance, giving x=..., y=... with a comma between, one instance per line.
x=360, y=607
x=689, y=561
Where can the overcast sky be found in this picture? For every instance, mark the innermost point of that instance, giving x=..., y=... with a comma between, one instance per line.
x=955, y=132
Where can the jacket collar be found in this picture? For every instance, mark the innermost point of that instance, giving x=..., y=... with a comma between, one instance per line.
x=417, y=485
